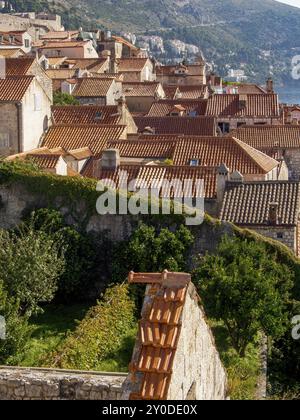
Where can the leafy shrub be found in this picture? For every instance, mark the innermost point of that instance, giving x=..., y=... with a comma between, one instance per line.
x=150, y=251
x=80, y=254
x=17, y=330
x=30, y=265
x=99, y=335
x=246, y=289
x=64, y=99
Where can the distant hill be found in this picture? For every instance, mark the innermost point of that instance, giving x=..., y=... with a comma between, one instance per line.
x=261, y=36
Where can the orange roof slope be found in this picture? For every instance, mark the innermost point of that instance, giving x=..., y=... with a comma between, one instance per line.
x=71, y=137
x=269, y=137
x=192, y=126
x=85, y=114
x=256, y=105
x=145, y=175
x=92, y=87
x=159, y=331
x=18, y=66
x=13, y=88
x=163, y=107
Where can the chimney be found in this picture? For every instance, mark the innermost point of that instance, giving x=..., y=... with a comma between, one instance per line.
x=122, y=106
x=269, y=84
x=273, y=213
x=237, y=177
x=110, y=159
x=222, y=178
x=242, y=102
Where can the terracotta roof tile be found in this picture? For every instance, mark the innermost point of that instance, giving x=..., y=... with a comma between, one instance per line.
x=73, y=136
x=256, y=105
x=163, y=108
x=92, y=87
x=18, y=66
x=171, y=91
x=146, y=174
x=248, y=203
x=193, y=92
x=159, y=332
x=13, y=88
x=193, y=126
x=44, y=161
x=140, y=89
x=269, y=137
x=85, y=114
x=132, y=64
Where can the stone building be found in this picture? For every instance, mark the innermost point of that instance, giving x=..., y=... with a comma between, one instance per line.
x=136, y=69
x=25, y=111
x=270, y=208
x=234, y=111
x=97, y=91
x=140, y=96
x=281, y=142
x=182, y=74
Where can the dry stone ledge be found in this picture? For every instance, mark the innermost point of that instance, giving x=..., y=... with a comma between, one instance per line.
x=50, y=384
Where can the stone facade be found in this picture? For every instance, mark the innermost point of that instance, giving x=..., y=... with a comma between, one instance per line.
x=49, y=384
x=198, y=373
x=289, y=236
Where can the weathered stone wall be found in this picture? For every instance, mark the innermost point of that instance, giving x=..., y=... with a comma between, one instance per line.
x=292, y=159
x=198, y=373
x=285, y=235
x=48, y=384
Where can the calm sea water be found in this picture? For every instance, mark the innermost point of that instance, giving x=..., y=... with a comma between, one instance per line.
x=289, y=95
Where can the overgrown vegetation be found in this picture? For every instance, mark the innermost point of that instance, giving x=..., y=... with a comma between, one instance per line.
x=249, y=285
x=246, y=289
x=102, y=334
x=64, y=99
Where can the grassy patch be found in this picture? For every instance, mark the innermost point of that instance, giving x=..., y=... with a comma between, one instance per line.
x=242, y=372
x=50, y=329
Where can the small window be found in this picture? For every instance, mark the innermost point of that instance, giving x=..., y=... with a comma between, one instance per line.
x=194, y=162
x=27, y=43
x=279, y=235
x=37, y=102
x=224, y=127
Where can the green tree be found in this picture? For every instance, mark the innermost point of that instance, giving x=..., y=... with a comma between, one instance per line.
x=81, y=258
x=17, y=330
x=64, y=99
x=246, y=289
x=30, y=265
x=149, y=250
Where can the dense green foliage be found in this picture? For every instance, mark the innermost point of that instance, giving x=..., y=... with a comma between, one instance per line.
x=100, y=335
x=64, y=99
x=17, y=330
x=246, y=289
x=30, y=265
x=150, y=250
x=78, y=276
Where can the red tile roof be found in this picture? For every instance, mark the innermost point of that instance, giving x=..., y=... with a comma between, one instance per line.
x=209, y=151
x=132, y=64
x=163, y=107
x=249, y=203
x=44, y=161
x=140, y=89
x=145, y=175
x=64, y=44
x=256, y=105
x=85, y=114
x=192, y=92
x=269, y=137
x=13, y=88
x=171, y=91
x=159, y=331
x=71, y=137
x=92, y=87
x=190, y=126
x=18, y=66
